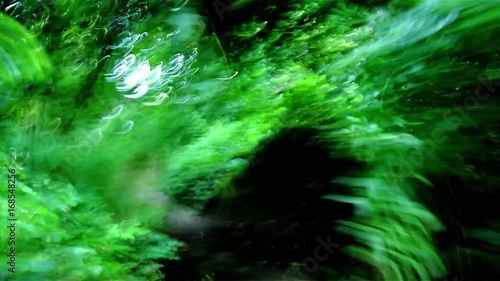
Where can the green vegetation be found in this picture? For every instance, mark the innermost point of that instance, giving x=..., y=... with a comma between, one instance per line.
x=110, y=108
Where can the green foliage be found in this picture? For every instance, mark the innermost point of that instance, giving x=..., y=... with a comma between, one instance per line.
x=63, y=234
x=102, y=161
x=23, y=61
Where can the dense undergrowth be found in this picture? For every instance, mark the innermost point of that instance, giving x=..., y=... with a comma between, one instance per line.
x=112, y=110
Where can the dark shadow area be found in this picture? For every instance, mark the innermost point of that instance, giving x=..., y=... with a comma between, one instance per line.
x=461, y=205
x=277, y=216
x=225, y=19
